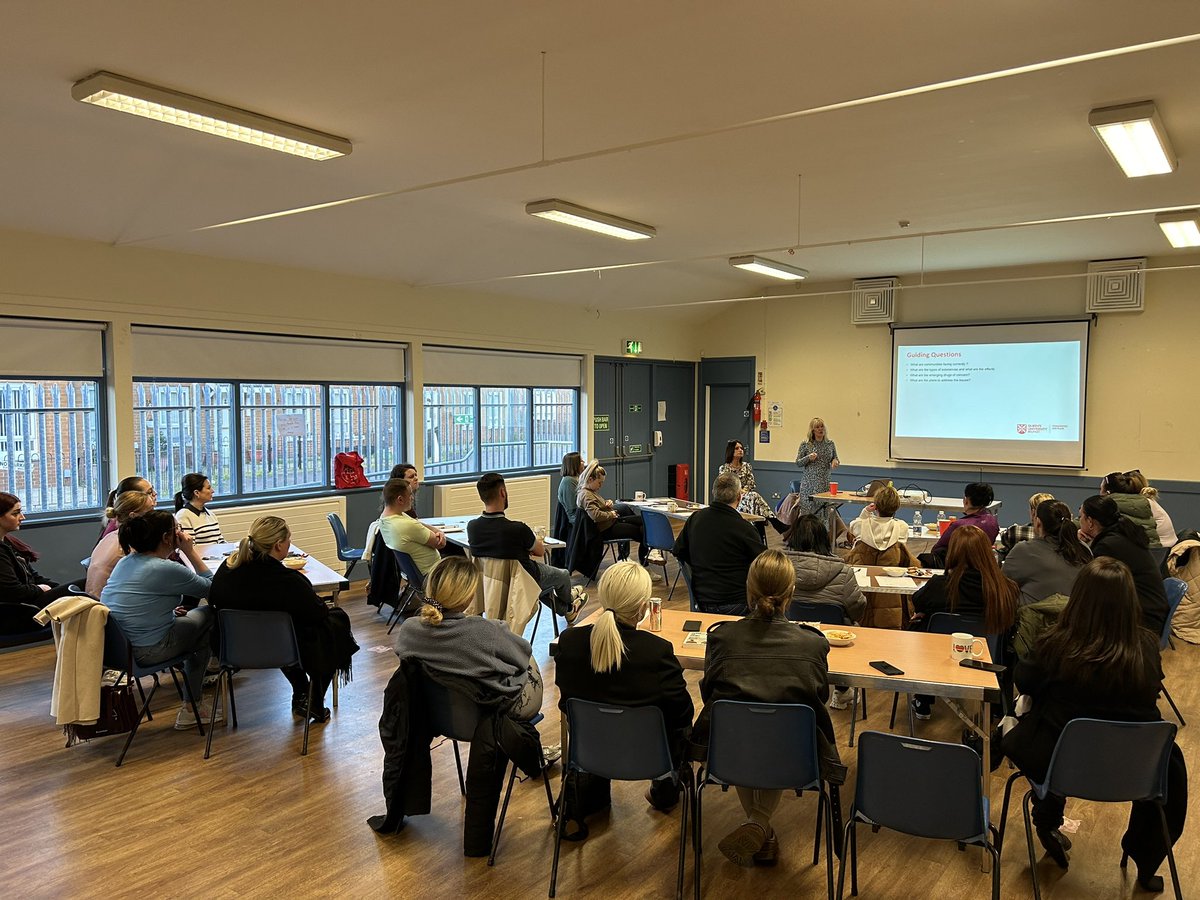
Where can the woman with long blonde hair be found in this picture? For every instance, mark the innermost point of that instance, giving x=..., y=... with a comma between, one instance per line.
x=444, y=638
x=107, y=552
x=613, y=661
x=766, y=658
x=254, y=577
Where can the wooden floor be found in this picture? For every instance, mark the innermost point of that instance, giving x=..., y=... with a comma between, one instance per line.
x=257, y=820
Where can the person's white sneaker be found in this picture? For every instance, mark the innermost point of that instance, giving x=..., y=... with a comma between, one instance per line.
x=656, y=556
x=577, y=592
x=842, y=698
x=551, y=753
x=576, y=607
x=185, y=719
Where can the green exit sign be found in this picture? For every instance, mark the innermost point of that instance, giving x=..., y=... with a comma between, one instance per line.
x=633, y=348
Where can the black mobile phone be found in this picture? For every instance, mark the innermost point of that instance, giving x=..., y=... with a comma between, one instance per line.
x=980, y=664
x=691, y=625
x=886, y=667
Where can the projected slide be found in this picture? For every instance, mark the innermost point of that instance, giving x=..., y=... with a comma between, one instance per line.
x=990, y=393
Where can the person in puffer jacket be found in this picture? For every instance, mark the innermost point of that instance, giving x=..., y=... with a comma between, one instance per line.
x=820, y=576
x=877, y=525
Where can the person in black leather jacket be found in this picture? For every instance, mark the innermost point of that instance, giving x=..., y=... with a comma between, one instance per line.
x=765, y=657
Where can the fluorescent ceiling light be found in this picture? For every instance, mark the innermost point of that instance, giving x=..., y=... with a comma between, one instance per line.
x=1135, y=137
x=163, y=105
x=1181, y=228
x=581, y=217
x=768, y=267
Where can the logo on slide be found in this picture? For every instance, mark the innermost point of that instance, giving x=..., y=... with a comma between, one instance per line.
x=1021, y=429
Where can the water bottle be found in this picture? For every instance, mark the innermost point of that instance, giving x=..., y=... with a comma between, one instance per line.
x=917, y=522
x=941, y=519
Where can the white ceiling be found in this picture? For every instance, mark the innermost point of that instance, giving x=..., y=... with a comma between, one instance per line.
x=653, y=111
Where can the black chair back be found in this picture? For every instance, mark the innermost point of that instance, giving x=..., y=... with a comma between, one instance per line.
x=893, y=787
x=621, y=743
x=767, y=746
x=1111, y=762
x=257, y=639
x=817, y=611
x=450, y=713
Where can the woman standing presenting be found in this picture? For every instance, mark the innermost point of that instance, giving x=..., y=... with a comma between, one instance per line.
x=816, y=457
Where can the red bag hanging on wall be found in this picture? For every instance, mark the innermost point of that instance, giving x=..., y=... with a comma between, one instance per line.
x=348, y=471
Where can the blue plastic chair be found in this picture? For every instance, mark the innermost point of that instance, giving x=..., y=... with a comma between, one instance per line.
x=118, y=654
x=414, y=590
x=254, y=639
x=1176, y=589
x=660, y=536
x=817, y=611
x=456, y=716
x=767, y=746
x=918, y=787
x=620, y=743
x=1108, y=762
x=345, y=552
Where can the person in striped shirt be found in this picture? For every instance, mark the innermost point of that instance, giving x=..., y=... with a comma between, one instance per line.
x=192, y=514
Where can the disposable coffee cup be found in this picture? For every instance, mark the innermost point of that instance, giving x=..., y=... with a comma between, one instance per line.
x=833, y=487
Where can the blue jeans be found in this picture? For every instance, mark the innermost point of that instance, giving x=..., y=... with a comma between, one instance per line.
x=560, y=580
x=188, y=634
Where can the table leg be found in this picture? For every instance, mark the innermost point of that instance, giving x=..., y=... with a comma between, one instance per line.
x=986, y=717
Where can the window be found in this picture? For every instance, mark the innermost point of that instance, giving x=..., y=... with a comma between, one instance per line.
x=50, y=443
x=366, y=418
x=255, y=437
x=450, y=431
x=470, y=430
x=181, y=427
x=555, y=432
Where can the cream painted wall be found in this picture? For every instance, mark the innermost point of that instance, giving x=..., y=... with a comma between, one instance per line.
x=73, y=279
x=817, y=363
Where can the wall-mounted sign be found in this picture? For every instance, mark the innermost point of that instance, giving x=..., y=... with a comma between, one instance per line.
x=635, y=407
x=634, y=449
x=632, y=348
x=599, y=423
x=764, y=437
x=290, y=425
x=468, y=419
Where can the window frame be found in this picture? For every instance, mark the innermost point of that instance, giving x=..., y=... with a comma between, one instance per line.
x=102, y=424
x=532, y=466
x=239, y=495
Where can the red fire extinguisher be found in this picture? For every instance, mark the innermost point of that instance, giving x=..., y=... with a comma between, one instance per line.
x=756, y=407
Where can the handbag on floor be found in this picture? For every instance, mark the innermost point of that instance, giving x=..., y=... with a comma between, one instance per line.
x=118, y=715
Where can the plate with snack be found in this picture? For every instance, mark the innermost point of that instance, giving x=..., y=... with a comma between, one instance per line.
x=839, y=637
x=895, y=571
x=296, y=560
x=918, y=572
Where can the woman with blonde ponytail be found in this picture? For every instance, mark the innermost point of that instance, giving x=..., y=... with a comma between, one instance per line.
x=484, y=651
x=254, y=577
x=613, y=661
x=766, y=658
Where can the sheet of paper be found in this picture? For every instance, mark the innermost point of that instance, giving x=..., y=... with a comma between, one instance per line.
x=895, y=581
x=696, y=637
x=861, y=576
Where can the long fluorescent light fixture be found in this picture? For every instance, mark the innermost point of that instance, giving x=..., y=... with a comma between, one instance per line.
x=592, y=220
x=1136, y=138
x=162, y=105
x=763, y=266
x=1182, y=228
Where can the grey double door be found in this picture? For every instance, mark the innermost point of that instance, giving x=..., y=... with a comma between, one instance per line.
x=643, y=421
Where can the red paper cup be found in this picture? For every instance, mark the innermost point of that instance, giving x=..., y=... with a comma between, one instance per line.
x=833, y=487
x=943, y=525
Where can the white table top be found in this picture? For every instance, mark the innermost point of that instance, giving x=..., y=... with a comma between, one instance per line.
x=455, y=529
x=908, y=499
x=683, y=508
x=323, y=579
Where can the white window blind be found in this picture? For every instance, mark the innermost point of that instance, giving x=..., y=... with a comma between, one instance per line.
x=48, y=348
x=463, y=365
x=226, y=355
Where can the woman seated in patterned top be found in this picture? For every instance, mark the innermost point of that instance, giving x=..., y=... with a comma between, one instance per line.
x=752, y=501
